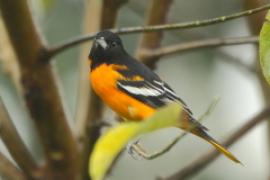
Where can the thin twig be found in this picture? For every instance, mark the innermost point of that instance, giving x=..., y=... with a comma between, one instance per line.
x=137, y=29
x=136, y=147
x=9, y=170
x=255, y=22
x=15, y=144
x=141, y=151
x=230, y=59
x=198, y=44
x=199, y=164
x=227, y=57
x=157, y=14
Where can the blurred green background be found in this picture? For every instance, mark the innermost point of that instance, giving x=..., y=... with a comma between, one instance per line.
x=197, y=76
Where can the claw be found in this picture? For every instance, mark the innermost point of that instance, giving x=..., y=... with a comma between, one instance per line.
x=132, y=151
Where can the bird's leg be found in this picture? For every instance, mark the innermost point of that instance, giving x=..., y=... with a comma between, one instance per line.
x=140, y=150
x=136, y=151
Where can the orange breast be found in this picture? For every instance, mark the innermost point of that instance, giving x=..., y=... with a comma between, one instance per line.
x=103, y=80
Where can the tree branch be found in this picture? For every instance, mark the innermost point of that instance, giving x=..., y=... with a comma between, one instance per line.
x=138, y=29
x=15, y=144
x=8, y=58
x=199, y=164
x=154, y=54
x=40, y=90
x=157, y=13
x=99, y=14
x=198, y=44
x=137, y=148
x=228, y=58
x=9, y=171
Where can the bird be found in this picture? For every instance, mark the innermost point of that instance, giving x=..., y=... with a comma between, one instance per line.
x=133, y=90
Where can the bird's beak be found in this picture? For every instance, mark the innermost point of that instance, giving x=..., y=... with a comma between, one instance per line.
x=101, y=41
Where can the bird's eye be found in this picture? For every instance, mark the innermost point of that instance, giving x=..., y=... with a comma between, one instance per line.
x=114, y=44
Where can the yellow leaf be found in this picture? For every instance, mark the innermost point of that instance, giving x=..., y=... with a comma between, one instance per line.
x=110, y=145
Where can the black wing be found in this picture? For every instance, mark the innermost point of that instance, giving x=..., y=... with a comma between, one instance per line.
x=155, y=93
x=151, y=90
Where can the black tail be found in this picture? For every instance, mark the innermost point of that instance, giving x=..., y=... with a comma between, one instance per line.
x=193, y=126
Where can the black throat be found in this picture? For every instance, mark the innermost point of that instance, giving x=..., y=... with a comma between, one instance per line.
x=98, y=57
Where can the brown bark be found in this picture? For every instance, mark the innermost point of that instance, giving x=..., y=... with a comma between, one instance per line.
x=40, y=90
x=157, y=14
x=15, y=144
x=98, y=15
x=9, y=171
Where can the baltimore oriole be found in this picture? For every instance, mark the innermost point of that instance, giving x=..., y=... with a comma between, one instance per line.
x=132, y=90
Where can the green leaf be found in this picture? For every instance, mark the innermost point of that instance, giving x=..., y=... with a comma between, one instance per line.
x=264, y=45
x=111, y=144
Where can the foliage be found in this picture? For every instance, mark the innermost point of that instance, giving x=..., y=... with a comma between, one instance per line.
x=265, y=48
x=109, y=146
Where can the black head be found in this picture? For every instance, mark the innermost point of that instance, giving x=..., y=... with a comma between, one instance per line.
x=107, y=47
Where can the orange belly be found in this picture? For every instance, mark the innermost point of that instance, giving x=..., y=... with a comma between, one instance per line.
x=103, y=80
